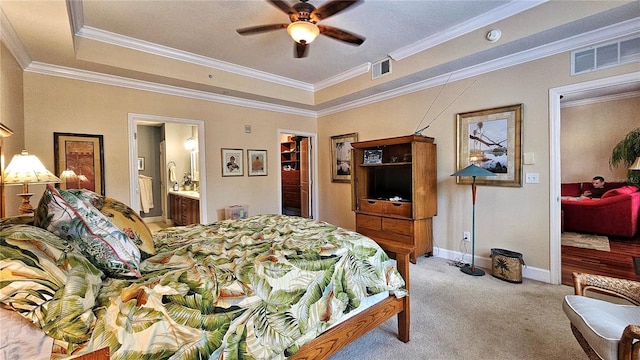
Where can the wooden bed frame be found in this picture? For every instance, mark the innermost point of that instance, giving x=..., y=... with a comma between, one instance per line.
x=344, y=333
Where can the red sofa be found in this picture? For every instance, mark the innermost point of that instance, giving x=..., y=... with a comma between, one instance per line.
x=617, y=213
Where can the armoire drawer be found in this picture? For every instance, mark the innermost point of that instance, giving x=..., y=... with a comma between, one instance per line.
x=368, y=222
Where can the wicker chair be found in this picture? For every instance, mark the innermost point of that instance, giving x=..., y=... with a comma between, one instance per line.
x=605, y=330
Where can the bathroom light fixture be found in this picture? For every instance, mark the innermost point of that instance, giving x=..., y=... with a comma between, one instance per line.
x=303, y=32
x=191, y=143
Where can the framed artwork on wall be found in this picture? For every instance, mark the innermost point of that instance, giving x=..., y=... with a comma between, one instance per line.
x=257, y=162
x=341, y=157
x=232, y=162
x=79, y=161
x=491, y=139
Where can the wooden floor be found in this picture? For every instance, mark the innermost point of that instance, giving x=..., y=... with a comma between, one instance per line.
x=617, y=263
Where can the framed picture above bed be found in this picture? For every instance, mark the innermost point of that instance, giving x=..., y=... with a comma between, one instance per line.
x=491, y=139
x=79, y=161
x=341, y=157
x=232, y=162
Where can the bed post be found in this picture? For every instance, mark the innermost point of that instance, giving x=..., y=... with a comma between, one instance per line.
x=402, y=254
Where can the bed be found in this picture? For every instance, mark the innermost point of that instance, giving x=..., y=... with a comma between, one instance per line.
x=266, y=287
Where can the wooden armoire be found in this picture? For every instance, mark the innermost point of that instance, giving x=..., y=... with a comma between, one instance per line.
x=394, y=183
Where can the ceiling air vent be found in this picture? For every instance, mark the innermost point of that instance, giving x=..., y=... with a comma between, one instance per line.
x=381, y=68
x=605, y=55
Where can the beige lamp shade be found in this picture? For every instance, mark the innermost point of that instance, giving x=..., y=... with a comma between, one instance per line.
x=27, y=169
x=635, y=165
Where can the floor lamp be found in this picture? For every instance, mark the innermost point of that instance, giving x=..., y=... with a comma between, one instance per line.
x=473, y=171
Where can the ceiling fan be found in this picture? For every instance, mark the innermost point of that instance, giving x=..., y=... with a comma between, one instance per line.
x=303, y=27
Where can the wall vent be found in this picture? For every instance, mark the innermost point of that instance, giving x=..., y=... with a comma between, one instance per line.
x=381, y=68
x=605, y=55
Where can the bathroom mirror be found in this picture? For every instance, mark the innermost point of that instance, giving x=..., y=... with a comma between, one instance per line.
x=195, y=174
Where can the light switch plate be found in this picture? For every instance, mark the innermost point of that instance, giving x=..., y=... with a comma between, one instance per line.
x=529, y=158
x=532, y=178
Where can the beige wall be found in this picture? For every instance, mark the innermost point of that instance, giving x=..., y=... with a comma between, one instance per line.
x=63, y=105
x=11, y=115
x=511, y=218
x=588, y=135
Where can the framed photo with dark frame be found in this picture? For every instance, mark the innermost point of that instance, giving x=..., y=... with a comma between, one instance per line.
x=232, y=162
x=256, y=162
x=81, y=157
x=492, y=140
x=341, y=157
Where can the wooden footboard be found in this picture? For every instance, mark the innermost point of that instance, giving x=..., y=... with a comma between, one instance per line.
x=344, y=333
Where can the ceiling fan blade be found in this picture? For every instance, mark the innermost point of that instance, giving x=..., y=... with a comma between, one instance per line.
x=261, y=28
x=300, y=50
x=286, y=8
x=331, y=8
x=341, y=35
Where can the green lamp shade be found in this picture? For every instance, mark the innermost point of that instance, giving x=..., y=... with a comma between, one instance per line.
x=473, y=170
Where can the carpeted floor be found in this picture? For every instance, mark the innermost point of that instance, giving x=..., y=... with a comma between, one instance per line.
x=586, y=241
x=457, y=316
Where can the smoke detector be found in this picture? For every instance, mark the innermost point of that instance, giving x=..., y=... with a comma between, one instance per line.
x=494, y=35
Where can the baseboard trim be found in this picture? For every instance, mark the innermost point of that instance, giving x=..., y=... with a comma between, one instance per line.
x=529, y=272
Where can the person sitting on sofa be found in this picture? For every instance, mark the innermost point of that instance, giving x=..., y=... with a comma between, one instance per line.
x=598, y=189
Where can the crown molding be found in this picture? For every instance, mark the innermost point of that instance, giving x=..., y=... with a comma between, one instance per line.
x=600, y=99
x=11, y=40
x=82, y=31
x=107, y=37
x=590, y=38
x=95, y=77
x=349, y=74
x=15, y=46
x=491, y=17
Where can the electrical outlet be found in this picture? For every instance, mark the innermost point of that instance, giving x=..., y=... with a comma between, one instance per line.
x=467, y=236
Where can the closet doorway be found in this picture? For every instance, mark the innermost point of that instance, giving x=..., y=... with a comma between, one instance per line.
x=297, y=169
x=154, y=143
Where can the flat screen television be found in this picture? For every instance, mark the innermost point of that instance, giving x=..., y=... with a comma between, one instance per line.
x=391, y=182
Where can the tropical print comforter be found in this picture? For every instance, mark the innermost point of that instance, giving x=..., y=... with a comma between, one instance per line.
x=257, y=288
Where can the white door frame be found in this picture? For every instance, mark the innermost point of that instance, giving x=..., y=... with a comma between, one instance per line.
x=555, y=266
x=313, y=169
x=134, y=190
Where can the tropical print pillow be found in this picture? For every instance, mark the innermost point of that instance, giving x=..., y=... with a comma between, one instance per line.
x=46, y=281
x=123, y=217
x=89, y=231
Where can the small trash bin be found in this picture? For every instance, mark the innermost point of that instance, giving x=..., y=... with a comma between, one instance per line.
x=236, y=212
x=507, y=265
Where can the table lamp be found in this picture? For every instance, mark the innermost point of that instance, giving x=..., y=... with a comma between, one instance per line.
x=25, y=169
x=473, y=170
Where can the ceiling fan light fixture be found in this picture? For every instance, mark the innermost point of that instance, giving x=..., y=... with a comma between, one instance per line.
x=303, y=32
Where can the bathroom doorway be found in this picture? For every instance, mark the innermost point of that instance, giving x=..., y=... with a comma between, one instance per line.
x=158, y=159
